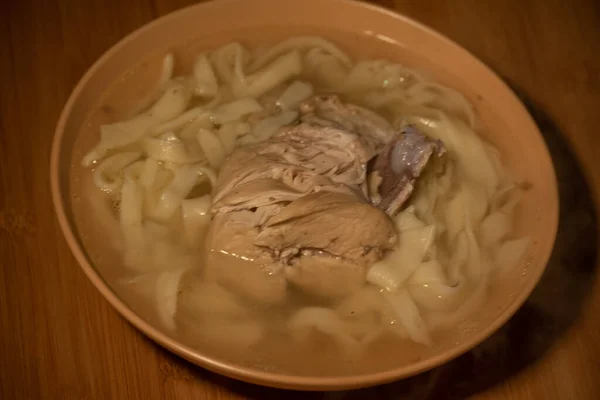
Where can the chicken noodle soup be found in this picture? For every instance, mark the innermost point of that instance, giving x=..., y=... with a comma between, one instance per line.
x=295, y=192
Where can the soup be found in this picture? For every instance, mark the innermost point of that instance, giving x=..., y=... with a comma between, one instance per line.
x=280, y=201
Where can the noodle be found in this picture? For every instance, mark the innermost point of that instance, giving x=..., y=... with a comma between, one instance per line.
x=262, y=81
x=234, y=111
x=107, y=176
x=211, y=147
x=295, y=94
x=183, y=182
x=167, y=289
x=160, y=166
x=196, y=217
x=170, y=148
x=299, y=43
x=206, y=84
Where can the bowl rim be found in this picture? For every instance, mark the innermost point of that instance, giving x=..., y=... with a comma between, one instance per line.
x=245, y=373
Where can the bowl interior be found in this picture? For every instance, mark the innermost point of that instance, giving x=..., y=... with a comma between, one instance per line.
x=127, y=72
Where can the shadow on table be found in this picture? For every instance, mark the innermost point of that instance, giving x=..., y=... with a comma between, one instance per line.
x=549, y=312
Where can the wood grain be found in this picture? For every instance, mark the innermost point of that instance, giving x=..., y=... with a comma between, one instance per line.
x=59, y=339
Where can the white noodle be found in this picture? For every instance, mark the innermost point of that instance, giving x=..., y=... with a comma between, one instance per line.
x=430, y=289
x=206, y=84
x=235, y=110
x=474, y=269
x=179, y=122
x=298, y=43
x=409, y=315
x=494, y=228
x=189, y=131
x=229, y=133
x=212, y=147
x=108, y=175
x=196, y=217
x=459, y=258
x=172, y=103
x=276, y=73
x=295, y=94
x=229, y=61
x=378, y=74
x=167, y=289
x=131, y=214
x=182, y=184
x=325, y=69
x=323, y=320
x=398, y=265
x=170, y=148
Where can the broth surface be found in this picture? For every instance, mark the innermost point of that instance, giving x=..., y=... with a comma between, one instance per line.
x=276, y=353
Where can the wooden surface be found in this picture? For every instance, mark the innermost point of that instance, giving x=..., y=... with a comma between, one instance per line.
x=59, y=339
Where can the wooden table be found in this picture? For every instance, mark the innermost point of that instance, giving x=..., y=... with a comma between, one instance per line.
x=59, y=339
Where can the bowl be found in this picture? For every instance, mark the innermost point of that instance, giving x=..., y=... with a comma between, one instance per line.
x=125, y=71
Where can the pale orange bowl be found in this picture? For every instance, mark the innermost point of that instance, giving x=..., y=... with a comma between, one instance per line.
x=364, y=31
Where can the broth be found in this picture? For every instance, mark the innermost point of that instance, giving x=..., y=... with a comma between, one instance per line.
x=276, y=351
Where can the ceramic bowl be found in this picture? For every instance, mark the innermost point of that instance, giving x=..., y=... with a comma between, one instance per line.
x=126, y=70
